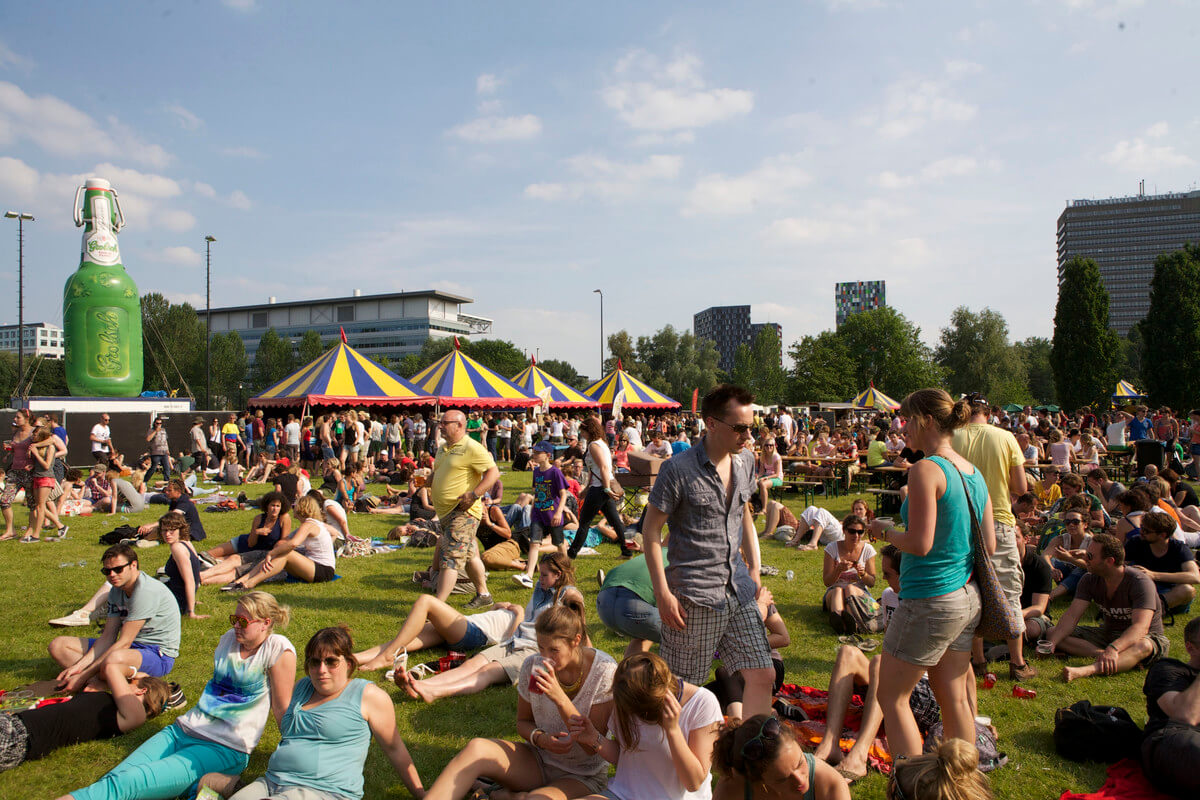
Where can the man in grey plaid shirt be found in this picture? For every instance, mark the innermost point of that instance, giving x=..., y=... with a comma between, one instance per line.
x=706, y=597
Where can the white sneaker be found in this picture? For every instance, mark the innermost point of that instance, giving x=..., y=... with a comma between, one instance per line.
x=523, y=579
x=587, y=551
x=76, y=619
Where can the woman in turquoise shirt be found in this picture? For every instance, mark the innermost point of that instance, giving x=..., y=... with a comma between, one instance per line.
x=328, y=728
x=939, y=609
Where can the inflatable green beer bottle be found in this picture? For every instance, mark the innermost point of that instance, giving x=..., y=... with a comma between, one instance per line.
x=102, y=315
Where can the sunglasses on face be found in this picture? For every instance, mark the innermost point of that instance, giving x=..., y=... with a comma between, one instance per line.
x=106, y=571
x=330, y=662
x=754, y=749
x=238, y=621
x=740, y=430
x=855, y=531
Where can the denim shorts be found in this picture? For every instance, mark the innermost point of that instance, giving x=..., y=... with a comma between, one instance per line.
x=473, y=639
x=154, y=663
x=622, y=611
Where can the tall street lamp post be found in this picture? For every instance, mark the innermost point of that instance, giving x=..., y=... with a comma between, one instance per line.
x=208, y=240
x=597, y=291
x=20, y=217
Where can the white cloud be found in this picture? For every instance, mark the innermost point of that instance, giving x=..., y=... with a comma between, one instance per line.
x=952, y=166
x=546, y=191
x=498, y=129
x=175, y=220
x=204, y=190
x=242, y=151
x=1103, y=9
x=837, y=222
x=891, y=180
x=488, y=83
x=961, y=68
x=239, y=200
x=245, y=6
x=179, y=256
x=63, y=130
x=664, y=139
x=1139, y=155
x=601, y=177
x=9, y=58
x=194, y=299
x=770, y=183
x=130, y=181
x=650, y=95
x=489, y=108
x=185, y=119
x=911, y=252
x=807, y=230
x=911, y=104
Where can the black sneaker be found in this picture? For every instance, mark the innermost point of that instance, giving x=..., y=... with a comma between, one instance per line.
x=481, y=601
x=177, y=699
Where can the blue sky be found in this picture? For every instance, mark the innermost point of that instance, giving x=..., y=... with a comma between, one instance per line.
x=676, y=156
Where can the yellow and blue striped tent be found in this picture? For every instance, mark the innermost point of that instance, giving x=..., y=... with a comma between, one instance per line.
x=637, y=394
x=1125, y=391
x=341, y=377
x=456, y=379
x=874, y=399
x=534, y=380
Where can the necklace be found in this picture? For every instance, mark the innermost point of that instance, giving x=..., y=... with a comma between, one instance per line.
x=571, y=688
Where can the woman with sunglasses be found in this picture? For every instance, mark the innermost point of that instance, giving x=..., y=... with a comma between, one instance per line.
x=761, y=759
x=328, y=726
x=1066, y=553
x=950, y=772
x=254, y=670
x=848, y=571
x=933, y=628
x=768, y=469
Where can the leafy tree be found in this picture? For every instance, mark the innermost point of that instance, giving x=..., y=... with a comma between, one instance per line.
x=382, y=361
x=1171, y=330
x=272, y=361
x=886, y=349
x=822, y=370
x=410, y=365
x=44, y=377
x=770, y=384
x=229, y=366
x=1035, y=353
x=1132, y=349
x=621, y=349
x=676, y=363
x=1084, y=353
x=499, y=355
x=172, y=346
x=743, y=367
x=564, y=371
x=975, y=354
x=310, y=349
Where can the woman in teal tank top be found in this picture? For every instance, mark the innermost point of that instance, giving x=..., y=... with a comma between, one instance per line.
x=932, y=629
x=328, y=727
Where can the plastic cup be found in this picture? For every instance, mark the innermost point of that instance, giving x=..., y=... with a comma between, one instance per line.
x=1045, y=647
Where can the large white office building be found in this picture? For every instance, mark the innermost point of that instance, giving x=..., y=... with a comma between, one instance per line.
x=391, y=325
x=41, y=339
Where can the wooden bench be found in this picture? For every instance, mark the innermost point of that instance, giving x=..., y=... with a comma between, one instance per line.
x=807, y=488
x=880, y=494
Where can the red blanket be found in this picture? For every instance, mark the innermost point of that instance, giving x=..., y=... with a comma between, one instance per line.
x=1126, y=781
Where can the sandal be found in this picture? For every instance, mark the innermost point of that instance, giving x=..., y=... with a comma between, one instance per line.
x=848, y=776
x=236, y=586
x=421, y=671
x=29, y=538
x=398, y=664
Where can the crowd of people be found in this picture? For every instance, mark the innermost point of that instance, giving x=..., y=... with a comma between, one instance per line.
x=1025, y=491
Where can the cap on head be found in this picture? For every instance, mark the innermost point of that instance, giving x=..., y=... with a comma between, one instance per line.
x=543, y=446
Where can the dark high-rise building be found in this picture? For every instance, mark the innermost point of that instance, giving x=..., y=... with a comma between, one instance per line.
x=854, y=296
x=728, y=327
x=1124, y=235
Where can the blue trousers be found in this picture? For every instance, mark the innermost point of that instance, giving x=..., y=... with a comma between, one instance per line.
x=165, y=766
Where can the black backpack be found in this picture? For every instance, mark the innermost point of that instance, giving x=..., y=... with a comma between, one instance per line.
x=1084, y=732
x=118, y=534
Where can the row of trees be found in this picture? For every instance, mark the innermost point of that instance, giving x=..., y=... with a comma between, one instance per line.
x=1160, y=351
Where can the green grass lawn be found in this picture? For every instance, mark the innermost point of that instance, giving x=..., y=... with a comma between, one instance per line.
x=42, y=581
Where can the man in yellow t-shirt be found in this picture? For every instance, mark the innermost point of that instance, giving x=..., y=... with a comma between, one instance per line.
x=231, y=435
x=462, y=472
x=996, y=454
